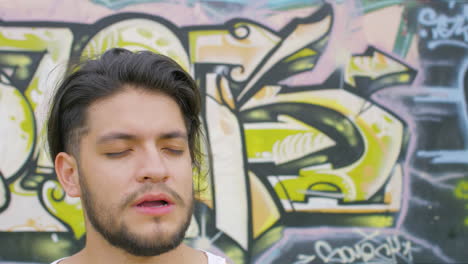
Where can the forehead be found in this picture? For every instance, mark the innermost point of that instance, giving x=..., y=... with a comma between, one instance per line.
x=137, y=111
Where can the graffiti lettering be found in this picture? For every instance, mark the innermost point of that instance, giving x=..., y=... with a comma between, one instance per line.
x=367, y=250
x=445, y=30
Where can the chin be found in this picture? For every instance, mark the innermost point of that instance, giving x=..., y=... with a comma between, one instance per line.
x=160, y=232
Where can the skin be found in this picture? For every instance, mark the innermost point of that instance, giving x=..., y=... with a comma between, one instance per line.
x=135, y=144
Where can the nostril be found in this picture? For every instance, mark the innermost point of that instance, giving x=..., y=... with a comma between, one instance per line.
x=155, y=178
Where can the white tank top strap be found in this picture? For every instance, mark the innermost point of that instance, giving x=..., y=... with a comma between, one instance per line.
x=214, y=259
x=57, y=261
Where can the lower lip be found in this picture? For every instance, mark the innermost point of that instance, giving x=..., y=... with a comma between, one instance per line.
x=155, y=211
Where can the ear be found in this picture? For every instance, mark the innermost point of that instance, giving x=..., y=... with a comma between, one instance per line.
x=66, y=168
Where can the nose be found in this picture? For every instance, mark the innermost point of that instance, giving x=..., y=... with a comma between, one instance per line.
x=152, y=167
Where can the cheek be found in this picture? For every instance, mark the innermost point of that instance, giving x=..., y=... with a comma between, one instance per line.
x=186, y=177
x=105, y=177
x=183, y=176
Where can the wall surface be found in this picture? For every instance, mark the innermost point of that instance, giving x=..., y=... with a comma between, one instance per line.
x=338, y=129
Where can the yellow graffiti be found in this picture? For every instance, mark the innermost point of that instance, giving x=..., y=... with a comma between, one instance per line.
x=374, y=66
x=265, y=212
x=138, y=34
x=26, y=112
x=461, y=191
x=67, y=209
x=17, y=130
x=383, y=136
x=287, y=140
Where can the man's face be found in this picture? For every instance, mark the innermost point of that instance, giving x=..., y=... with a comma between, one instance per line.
x=135, y=172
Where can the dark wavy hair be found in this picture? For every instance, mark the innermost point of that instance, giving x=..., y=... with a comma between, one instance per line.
x=99, y=78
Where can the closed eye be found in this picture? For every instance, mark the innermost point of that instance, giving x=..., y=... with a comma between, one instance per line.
x=174, y=151
x=117, y=154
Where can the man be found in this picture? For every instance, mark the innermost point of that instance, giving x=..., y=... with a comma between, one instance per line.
x=123, y=131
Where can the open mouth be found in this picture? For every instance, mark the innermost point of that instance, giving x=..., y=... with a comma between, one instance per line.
x=153, y=204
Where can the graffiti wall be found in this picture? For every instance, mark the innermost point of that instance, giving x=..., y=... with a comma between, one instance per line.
x=337, y=130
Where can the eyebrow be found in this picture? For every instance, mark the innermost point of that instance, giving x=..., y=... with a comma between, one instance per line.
x=115, y=136
x=129, y=137
x=174, y=134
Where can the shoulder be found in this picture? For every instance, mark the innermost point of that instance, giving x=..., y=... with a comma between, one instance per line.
x=214, y=259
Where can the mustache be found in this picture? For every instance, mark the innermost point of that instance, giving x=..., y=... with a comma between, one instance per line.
x=154, y=188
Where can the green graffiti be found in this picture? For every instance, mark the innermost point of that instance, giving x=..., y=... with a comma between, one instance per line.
x=29, y=41
x=20, y=61
x=67, y=209
x=461, y=190
x=138, y=34
x=27, y=125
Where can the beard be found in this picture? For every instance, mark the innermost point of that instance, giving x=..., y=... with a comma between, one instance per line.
x=105, y=221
